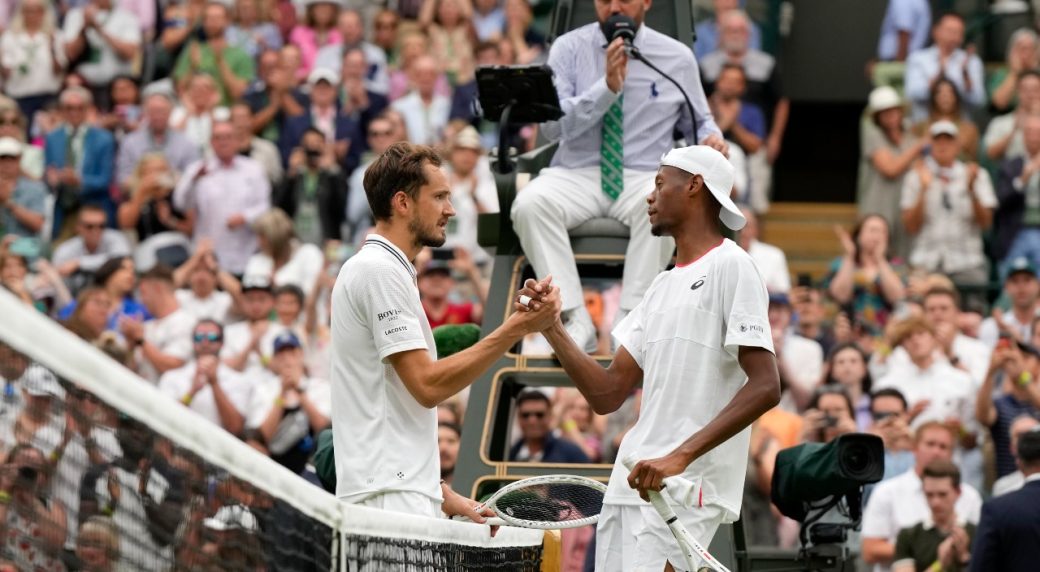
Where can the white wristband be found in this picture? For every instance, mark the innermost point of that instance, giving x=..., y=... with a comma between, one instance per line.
x=524, y=300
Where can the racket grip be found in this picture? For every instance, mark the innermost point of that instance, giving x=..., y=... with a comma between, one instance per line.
x=681, y=490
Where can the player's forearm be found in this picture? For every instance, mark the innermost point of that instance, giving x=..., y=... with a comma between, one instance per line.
x=451, y=375
x=592, y=380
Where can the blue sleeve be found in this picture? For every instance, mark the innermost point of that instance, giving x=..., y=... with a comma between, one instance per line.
x=100, y=177
x=753, y=119
x=581, y=111
x=902, y=15
x=53, y=150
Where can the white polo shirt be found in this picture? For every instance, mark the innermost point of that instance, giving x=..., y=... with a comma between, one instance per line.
x=239, y=390
x=950, y=391
x=900, y=503
x=685, y=335
x=384, y=439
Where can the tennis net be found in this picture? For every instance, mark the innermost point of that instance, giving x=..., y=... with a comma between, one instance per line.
x=99, y=471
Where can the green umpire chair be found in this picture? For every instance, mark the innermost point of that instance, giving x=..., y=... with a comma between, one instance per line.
x=599, y=247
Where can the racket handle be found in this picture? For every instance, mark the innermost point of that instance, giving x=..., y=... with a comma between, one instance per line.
x=681, y=490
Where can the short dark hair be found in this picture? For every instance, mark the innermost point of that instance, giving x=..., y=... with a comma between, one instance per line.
x=291, y=289
x=454, y=427
x=1029, y=448
x=733, y=67
x=838, y=390
x=531, y=395
x=398, y=169
x=1025, y=74
x=108, y=269
x=941, y=469
x=314, y=131
x=159, y=273
x=951, y=14
x=940, y=291
x=889, y=392
x=209, y=321
x=91, y=207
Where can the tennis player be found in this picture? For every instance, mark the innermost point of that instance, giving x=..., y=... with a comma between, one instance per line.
x=700, y=343
x=386, y=378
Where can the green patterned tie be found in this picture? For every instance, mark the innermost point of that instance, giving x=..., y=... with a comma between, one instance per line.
x=612, y=150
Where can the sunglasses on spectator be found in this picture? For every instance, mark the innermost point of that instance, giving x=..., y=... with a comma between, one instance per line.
x=210, y=337
x=529, y=414
x=92, y=225
x=4, y=121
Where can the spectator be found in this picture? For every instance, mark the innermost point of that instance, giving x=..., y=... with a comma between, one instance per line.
x=45, y=288
x=807, y=303
x=225, y=194
x=164, y=342
x=92, y=246
x=322, y=112
x=89, y=318
x=207, y=386
x=947, y=204
x=14, y=125
x=800, y=360
x=33, y=57
x=154, y=136
x=1023, y=54
x=22, y=200
x=315, y=194
x=291, y=412
x=352, y=33
x=1007, y=537
x=181, y=22
x=578, y=423
x=282, y=258
x=137, y=496
x=489, y=20
x=900, y=502
x=357, y=101
x=384, y=36
x=1019, y=394
x=890, y=421
x=944, y=104
x=436, y=286
x=945, y=59
x=211, y=54
x=32, y=524
x=942, y=310
x=123, y=114
x=771, y=261
x=273, y=100
x=448, y=24
x=13, y=366
x=1017, y=220
x=117, y=276
x=242, y=339
x=40, y=424
x=889, y=151
x=256, y=148
x=904, y=29
x=449, y=435
x=934, y=389
x=538, y=443
x=1023, y=291
x=201, y=298
x=464, y=96
x=101, y=43
x=706, y=32
x=381, y=134
x=1004, y=134
x=414, y=46
x=199, y=109
x=79, y=159
x=472, y=191
x=425, y=113
x=252, y=30
x=149, y=210
x=764, y=90
x=527, y=42
x=846, y=368
x=317, y=32
x=941, y=540
x=97, y=546
x=740, y=122
x=1014, y=481
x=829, y=415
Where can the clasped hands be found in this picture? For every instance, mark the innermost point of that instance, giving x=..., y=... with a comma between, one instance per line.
x=537, y=306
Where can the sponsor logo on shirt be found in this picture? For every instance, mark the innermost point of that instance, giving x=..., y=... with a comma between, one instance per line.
x=389, y=315
x=745, y=328
x=396, y=330
x=697, y=284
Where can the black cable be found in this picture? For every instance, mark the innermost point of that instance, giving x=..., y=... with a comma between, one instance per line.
x=635, y=53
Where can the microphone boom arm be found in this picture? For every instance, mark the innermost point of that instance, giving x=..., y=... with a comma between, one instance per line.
x=633, y=52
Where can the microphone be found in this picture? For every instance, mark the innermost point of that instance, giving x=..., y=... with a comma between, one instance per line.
x=621, y=26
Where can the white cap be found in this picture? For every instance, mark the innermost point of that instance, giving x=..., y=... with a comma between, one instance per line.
x=233, y=517
x=40, y=382
x=320, y=74
x=717, y=172
x=944, y=127
x=10, y=147
x=468, y=138
x=882, y=98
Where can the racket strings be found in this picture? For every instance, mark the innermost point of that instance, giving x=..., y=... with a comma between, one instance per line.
x=564, y=502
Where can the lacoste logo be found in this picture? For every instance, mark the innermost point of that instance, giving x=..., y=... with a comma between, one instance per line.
x=697, y=284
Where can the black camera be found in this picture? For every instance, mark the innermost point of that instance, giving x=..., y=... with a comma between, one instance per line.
x=28, y=475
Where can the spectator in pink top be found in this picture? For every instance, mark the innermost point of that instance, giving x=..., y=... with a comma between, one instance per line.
x=317, y=30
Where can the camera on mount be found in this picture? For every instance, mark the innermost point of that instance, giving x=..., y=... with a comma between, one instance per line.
x=820, y=485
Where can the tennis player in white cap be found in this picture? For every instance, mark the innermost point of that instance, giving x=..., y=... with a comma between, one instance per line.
x=700, y=343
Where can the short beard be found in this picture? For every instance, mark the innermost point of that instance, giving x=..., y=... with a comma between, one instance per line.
x=424, y=235
x=659, y=230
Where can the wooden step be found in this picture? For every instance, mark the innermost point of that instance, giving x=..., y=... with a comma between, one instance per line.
x=805, y=232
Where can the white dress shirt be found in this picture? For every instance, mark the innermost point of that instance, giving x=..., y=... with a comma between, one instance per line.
x=923, y=66
x=425, y=123
x=772, y=263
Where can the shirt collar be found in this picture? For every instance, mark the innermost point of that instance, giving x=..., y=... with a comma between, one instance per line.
x=1033, y=477
x=374, y=239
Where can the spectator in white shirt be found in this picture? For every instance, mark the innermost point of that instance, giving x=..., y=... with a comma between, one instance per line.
x=899, y=502
x=164, y=342
x=199, y=108
x=282, y=258
x=201, y=275
x=944, y=59
x=800, y=360
x=942, y=309
x=425, y=113
x=32, y=57
x=472, y=191
x=242, y=339
x=1022, y=288
x=109, y=36
x=92, y=246
x=208, y=387
x=771, y=261
x=226, y=193
x=1003, y=137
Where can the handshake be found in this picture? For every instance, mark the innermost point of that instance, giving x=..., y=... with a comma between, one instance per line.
x=536, y=307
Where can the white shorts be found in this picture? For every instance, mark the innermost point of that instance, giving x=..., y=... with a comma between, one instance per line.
x=404, y=501
x=635, y=538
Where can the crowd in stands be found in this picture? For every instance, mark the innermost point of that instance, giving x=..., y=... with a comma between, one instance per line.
x=181, y=180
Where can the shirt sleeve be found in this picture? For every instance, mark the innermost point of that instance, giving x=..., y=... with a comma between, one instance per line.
x=877, y=516
x=984, y=190
x=902, y=15
x=388, y=304
x=911, y=189
x=904, y=547
x=631, y=332
x=745, y=306
x=581, y=111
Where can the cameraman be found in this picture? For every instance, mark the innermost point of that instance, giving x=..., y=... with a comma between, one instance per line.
x=32, y=526
x=315, y=191
x=830, y=415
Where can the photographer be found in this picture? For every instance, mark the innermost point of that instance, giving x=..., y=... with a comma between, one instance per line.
x=32, y=526
x=315, y=191
x=830, y=414
x=150, y=209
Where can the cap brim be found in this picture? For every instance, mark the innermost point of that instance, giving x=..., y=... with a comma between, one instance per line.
x=730, y=214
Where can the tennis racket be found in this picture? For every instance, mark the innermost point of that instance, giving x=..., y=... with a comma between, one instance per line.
x=548, y=502
x=691, y=549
